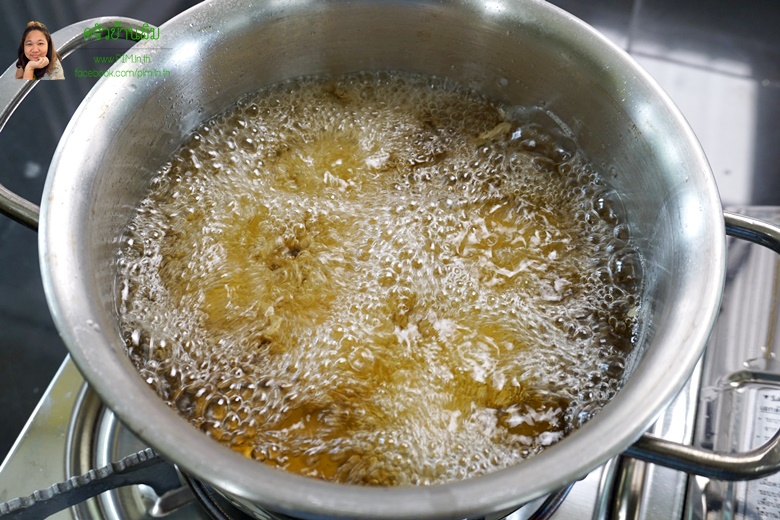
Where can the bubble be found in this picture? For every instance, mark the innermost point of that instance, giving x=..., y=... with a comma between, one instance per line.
x=626, y=268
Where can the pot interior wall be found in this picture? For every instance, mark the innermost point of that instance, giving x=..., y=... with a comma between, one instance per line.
x=519, y=52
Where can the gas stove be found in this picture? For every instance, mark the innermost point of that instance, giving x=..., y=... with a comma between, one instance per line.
x=732, y=403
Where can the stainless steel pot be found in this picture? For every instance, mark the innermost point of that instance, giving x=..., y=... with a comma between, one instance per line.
x=519, y=51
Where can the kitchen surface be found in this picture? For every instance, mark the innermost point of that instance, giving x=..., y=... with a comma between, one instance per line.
x=719, y=61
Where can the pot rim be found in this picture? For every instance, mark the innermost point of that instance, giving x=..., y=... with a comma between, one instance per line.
x=86, y=334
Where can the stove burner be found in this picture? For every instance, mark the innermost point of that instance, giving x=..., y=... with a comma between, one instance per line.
x=220, y=509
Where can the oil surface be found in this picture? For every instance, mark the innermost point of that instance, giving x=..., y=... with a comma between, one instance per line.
x=380, y=279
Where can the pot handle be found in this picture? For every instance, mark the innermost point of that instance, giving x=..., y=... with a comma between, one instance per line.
x=13, y=91
x=757, y=463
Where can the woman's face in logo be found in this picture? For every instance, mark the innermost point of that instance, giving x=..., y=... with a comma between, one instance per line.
x=35, y=45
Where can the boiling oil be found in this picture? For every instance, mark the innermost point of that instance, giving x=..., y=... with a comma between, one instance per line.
x=380, y=279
